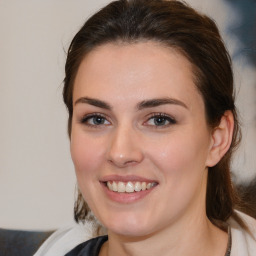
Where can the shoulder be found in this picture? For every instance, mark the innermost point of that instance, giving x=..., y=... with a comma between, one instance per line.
x=65, y=239
x=243, y=242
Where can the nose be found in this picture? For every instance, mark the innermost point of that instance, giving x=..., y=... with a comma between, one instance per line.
x=125, y=147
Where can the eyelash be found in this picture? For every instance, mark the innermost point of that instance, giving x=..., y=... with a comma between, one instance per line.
x=85, y=120
x=165, y=118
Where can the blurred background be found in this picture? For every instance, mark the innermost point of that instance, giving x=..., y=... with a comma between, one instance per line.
x=37, y=180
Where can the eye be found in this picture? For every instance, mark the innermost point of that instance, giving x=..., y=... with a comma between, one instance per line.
x=95, y=120
x=160, y=119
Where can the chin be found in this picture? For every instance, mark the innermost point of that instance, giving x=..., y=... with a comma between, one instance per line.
x=132, y=227
x=130, y=231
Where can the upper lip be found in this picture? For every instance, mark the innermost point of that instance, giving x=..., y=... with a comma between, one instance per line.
x=126, y=178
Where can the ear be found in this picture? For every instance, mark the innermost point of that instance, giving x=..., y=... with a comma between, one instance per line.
x=221, y=139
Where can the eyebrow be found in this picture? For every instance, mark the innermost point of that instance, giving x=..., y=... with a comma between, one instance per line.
x=158, y=102
x=142, y=105
x=94, y=102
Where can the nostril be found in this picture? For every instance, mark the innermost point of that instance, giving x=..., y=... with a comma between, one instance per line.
x=130, y=162
x=122, y=162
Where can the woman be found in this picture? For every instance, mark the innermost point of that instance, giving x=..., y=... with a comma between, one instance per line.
x=152, y=126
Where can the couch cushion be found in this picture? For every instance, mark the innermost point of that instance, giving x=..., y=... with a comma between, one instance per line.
x=21, y=243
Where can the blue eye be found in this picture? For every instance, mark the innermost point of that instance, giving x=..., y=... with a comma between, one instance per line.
x=160, y=120
x=95, y=120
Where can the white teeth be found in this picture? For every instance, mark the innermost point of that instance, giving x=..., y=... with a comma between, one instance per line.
x=120, y=187
x=137, y=186
x=149, y=185
x=129, y=187
x=114, y=186
x=110, y=186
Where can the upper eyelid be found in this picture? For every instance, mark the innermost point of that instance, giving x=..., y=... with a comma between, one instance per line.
x=157, y=114
x=95, y=114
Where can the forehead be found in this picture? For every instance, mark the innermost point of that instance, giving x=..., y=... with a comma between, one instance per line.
x=144, y=69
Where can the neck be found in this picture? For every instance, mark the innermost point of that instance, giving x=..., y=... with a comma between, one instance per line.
x=198, y=237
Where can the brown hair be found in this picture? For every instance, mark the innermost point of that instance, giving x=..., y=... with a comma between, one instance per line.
x=196, y=36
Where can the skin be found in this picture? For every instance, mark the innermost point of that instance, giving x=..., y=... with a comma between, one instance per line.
x=120, y=136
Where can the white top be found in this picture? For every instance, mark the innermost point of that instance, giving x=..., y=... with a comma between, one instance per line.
x=65, y=239
x=243, y=244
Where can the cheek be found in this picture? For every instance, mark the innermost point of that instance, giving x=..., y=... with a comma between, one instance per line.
x=182, y=159
x=86, y=154
x=183, y=173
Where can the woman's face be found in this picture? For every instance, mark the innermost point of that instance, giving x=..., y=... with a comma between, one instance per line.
x=139, y=142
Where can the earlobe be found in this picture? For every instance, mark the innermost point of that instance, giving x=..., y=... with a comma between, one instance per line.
x=221, y=139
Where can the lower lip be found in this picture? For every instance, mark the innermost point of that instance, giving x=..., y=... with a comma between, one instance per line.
x=126, y=197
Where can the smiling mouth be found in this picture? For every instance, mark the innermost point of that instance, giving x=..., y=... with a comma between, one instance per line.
x=129, y=187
